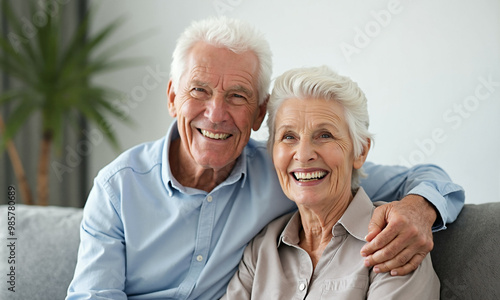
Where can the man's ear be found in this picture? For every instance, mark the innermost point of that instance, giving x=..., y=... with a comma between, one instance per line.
x=171, y=99
x=262, y=114
x=360, y=160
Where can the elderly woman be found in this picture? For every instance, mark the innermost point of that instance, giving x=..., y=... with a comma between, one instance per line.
x=319, y=140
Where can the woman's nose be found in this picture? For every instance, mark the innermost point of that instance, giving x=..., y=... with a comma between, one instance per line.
x=305, y=151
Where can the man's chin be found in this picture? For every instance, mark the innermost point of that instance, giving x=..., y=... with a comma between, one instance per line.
x=216, y=162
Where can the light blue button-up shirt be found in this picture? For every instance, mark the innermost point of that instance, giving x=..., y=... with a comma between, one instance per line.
x=144, y=236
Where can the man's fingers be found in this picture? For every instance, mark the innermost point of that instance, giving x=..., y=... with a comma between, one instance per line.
x=401, y=255
x=386, y=247
x=404, y=260
x=373, y=231
x=399, y=236
x=377, y=224
x=381, y=240
x=411, y=266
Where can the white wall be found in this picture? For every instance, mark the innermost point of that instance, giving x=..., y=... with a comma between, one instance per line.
x=430, y=70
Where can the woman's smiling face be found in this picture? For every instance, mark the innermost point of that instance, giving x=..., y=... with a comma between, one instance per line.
x=313, y=152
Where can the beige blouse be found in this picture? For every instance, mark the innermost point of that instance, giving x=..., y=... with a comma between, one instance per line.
x=275, y=267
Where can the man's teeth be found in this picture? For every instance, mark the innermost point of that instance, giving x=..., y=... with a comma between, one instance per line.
x=306, y=176
x=216, y=136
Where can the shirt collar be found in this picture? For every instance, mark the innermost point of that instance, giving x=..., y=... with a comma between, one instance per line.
x=357, y=216
x=355, y=220
x=290, y=235
x=239, y=170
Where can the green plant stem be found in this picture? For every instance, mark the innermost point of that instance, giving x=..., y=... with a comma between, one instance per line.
x=43, y=169
x=17, y=165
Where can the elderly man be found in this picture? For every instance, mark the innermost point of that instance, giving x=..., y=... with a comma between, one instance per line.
x=170, y=219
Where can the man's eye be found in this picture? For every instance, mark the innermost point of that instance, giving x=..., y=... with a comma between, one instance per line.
x=238, y=97
x=199, y=93
x=197, y=89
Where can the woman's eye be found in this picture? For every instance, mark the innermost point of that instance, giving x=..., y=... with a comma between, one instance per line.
x=326, y=136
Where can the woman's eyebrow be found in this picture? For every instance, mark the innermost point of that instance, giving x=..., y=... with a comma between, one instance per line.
x=283, y=126
x=327, y=126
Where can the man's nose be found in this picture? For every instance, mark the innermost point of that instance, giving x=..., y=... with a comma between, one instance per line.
x=216, y=109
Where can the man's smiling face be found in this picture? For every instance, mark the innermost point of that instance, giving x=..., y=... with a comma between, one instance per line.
x=216, y=105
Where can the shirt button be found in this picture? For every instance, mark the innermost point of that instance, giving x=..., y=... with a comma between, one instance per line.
x=302, y=286
x=199, y=258
x=209, y=199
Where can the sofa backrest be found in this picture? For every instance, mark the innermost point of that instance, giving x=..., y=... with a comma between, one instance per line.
x=43, y=252
x=466, y=254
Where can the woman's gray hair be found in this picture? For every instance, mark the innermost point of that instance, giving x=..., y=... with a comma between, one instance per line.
x=224, y=32
x=323, y=83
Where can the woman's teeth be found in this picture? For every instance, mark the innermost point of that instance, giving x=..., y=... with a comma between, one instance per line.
x=308, y=176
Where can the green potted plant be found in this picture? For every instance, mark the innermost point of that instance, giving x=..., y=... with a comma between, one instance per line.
x=56, y=83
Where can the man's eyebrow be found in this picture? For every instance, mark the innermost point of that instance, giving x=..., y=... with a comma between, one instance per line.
x=199, y=83
x=240, y=88
x=235, y=88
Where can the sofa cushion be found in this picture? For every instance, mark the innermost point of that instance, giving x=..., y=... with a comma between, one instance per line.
x=45, y=251
x=466, y=255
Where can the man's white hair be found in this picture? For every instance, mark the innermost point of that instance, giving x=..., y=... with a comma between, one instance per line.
x=223, y=32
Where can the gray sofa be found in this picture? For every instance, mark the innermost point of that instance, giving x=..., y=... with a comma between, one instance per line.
x=466, y=256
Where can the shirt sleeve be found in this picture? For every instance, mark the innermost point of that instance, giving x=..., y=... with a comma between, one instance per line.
x=100, y=270
x=240, y=286
x=422, y=283
x=389, y=183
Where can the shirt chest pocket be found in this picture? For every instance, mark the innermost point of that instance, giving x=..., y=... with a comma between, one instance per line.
x=349, y=287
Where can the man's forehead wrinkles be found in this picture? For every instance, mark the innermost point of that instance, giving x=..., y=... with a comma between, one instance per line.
x=215, y=71
x=200, y=76
x=204, y=76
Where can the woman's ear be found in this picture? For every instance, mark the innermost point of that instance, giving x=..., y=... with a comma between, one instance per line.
x=171, y=99
x=360, y=160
